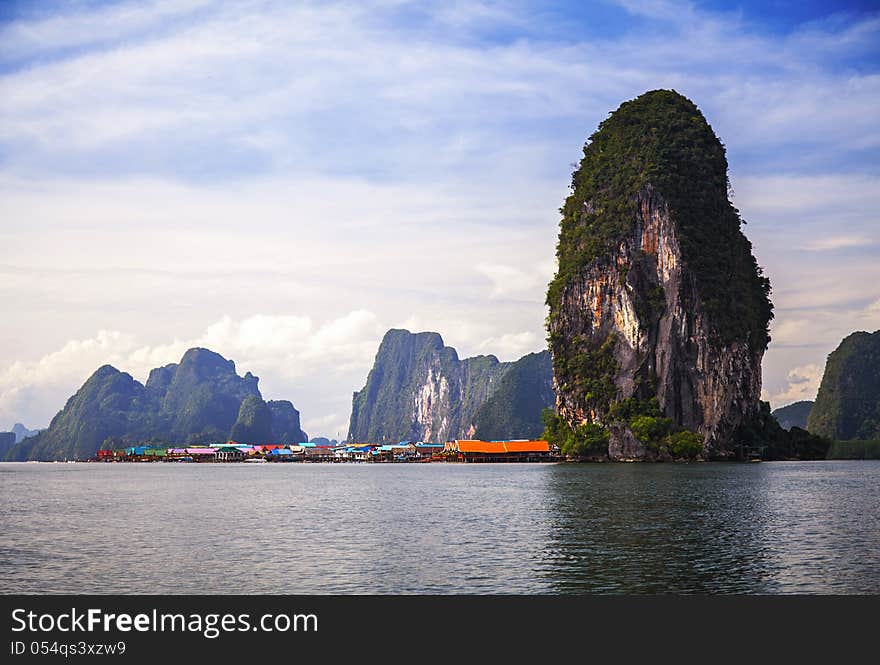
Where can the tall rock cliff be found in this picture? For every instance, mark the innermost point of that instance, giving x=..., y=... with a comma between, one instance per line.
x=657, y=298
x=198, y=400
x=110, y=404
x=285, y=423
x=419, y=390
x=848, y=402
x=513, y=411
x=204, y=395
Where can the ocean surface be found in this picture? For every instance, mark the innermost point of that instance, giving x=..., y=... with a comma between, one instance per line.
x=773, y=527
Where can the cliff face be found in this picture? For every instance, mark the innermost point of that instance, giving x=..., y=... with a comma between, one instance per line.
x=285, y=423
x=848, y=402
x=196, y=401
x=657, y=294
x=513, y=411
x=419, y=390
x=109, y=404
x=204, y=394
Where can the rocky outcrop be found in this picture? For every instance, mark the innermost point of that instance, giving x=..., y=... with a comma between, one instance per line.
x=7, y=441
x=254, y=422
x=419, y=390
x=21, y=432
x=793, y=415
x=204, y=395
x=513, y=411
x=110, y=404
x=285, y=422
x=198, y=400
x=848, y=402
x=623, y=446
x=658, y=295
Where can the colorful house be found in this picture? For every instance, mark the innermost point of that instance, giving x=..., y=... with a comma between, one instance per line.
x=500, y=451
x=282, y=455
x=229, y=454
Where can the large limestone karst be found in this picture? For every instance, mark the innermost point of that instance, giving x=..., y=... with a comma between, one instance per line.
x=848, y=402
x=658, y=302
x=419, y=390
x=199, y=400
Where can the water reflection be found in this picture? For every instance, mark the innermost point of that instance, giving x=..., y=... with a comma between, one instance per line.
x=709, y=528
x=714, y=528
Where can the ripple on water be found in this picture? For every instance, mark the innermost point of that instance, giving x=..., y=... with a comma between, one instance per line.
x=709, y=528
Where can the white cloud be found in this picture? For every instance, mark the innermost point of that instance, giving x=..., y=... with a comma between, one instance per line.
x=316, y=366
x=331, y=426
x=830, y=243
x=294, y=358
x=303, y=168
x=791, y=331
x=658, y=9
x=802, y=384
x=101, y=24
x=31, y=392
x=509, y=281
x=512, y=345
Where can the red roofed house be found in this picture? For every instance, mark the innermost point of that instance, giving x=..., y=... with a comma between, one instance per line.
x=500, y=451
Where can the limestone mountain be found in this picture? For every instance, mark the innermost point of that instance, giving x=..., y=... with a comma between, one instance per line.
x=254, y=422
x=198, y=400
x=7, y=441
x=848, y=402
x=793, y=415
x=658, y=303
x=323, y=441
x=285, y=423
x=203, y=395
x=110, y=404
x=513, y=410
x=419, y=390
x=21, y=432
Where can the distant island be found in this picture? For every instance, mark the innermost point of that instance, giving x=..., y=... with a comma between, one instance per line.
x=199, y=400
x=793, y=415
x=419, y=390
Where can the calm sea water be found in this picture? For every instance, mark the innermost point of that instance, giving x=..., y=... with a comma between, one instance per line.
x=802, y=527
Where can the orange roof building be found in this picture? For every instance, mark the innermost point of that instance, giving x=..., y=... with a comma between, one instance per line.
x=500, y=451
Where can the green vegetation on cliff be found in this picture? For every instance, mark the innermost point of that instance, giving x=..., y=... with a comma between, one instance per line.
x=643, y=418
x=254, y=422
x=514, y=409
x=857, y=449
x=385, y=409
x=763, y=437
x=848, y=402
x=285, y=423
x=793, y=415
x=109, y=405
x=194, y=402
x=584, y=441
x=203, y=397
x=661, y=139
x=419, y=390
x=589, y=370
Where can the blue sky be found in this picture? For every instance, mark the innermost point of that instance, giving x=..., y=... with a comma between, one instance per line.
x=284, y=181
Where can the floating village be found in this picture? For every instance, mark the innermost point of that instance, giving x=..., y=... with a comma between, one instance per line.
x=405, y=451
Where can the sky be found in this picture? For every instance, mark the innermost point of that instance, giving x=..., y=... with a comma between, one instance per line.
x=282, y=182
